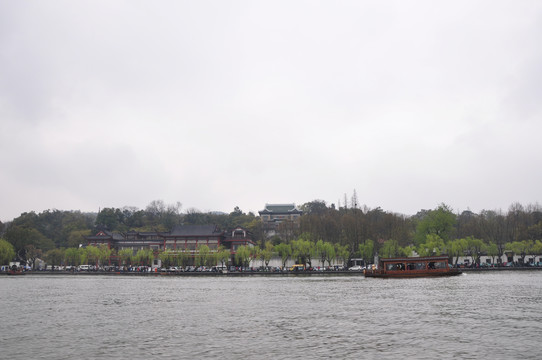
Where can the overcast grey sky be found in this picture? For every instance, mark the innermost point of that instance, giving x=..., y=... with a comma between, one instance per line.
x=218, y=104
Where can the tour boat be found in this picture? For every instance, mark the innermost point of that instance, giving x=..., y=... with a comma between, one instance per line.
x=411, y=267
x=15, y=272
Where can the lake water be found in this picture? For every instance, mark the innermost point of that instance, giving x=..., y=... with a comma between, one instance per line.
x=475, y=315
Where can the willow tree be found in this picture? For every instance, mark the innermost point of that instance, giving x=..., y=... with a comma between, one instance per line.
x=433, y=245
x=104, y=254
x=329, y=252
x=457, y=248
x=203, y=255
x=222, y=255
x=325, y=252
x=72, y=256
x=367, y=251
x=93, y=254
x=391, y=249
x=243, y=255
x=343, y=253
x=167, y=257
x=267, y=253
x=54, y=257
x=125, y=255
x=537, y=248
x=7, y=252
x=83, y=255
x=144, y=257
x=303, y=249
x=184, y=257
x=493, y=251
x=475, y=247
x=284, y=251
x=521, y=248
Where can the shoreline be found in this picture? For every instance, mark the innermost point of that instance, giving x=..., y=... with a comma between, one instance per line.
x=234, y=274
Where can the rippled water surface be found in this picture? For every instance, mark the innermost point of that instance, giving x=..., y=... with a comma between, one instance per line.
x=476, y=315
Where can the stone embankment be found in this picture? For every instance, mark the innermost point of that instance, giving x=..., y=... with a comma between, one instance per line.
x=245, y=273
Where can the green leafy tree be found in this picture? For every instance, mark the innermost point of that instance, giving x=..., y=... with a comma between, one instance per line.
x=54, y=257
x=303, y=249
x=433, y=245
x=203, y=255
x=391, y=249
x=93, y=254
x=125, y=256
x=409, y=250
x=521, y=248
x=325, y=252
x=7, y=252
x=330, y=252
x=83, y=255
x=267, y=253
x=104, y=254
x=439, y=222
x=222, y=255
x=32, y=254
x=255, y=253
x=321, y=251
x=20, y=237
x=475, y=247
x=168, y=258
x=457, y=248
x=110, y=219
x=72, y=256
x=493, y=251
x=77, y=237
x=367, y=251
x=537, y=248
x=144, y=257
x=343, y=253
x=243, y=255
x=183, y=257
x=284, y=251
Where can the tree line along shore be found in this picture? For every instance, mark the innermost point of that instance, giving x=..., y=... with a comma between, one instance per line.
x=324, y=234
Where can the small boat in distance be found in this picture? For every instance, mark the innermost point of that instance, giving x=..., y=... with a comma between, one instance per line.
x=411, y=267
x=15, y=270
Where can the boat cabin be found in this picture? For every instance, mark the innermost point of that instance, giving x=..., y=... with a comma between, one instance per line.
x=413, y=264
x=412, y=267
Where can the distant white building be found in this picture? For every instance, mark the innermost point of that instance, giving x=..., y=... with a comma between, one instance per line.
x=506, y=258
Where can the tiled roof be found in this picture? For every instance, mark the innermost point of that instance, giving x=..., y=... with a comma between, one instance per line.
x=117, y=236
x=194, y=230
x=101, y=238
x=280, y=208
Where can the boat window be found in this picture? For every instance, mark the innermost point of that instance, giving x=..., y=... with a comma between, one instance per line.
x=420, y=266
x=440, y=265
x=395, y=267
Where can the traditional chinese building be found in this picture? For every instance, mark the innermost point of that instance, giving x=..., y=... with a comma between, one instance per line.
x=105, y=237
x=238, y=237
x=136, y=240
x=189, y=237
x=186, y=238
x=275, y=214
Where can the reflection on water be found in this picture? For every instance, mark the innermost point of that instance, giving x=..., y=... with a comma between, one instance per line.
x=491, y=315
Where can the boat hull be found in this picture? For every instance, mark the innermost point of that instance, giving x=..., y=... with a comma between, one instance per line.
x=413, y=274
x=15, y=272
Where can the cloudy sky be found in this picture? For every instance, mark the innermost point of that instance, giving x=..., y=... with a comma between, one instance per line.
x=218, y=104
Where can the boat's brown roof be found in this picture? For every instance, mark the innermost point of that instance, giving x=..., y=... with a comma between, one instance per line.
x=424, y=258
